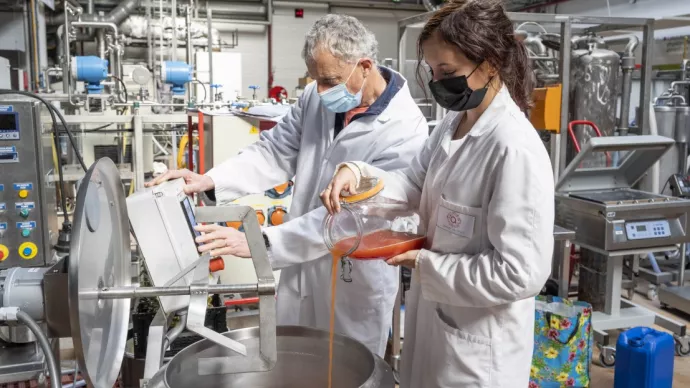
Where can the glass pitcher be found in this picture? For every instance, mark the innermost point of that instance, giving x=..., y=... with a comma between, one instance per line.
x=372, y=226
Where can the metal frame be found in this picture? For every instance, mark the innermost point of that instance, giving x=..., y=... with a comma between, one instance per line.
x=566, y=22
x=138, y=121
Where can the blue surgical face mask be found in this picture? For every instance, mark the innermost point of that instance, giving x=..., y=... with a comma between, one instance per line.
x=339, y=100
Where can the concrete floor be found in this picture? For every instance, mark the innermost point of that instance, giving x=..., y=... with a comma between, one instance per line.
x=603, y=377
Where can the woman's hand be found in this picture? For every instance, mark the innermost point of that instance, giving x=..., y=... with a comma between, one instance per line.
x=344, y=180
x=194, y=183
x=222, y=240
x=407, y=259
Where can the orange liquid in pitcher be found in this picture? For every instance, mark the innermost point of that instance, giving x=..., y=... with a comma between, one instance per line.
x=376, y=245
x=334, y=271
x=382, y=244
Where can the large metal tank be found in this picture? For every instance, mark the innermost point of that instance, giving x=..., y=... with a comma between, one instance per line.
x=673, y=122
x=595, y=85
x=302, y=363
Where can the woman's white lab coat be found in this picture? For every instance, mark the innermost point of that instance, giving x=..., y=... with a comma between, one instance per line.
x=302, y=146
x=489, y=209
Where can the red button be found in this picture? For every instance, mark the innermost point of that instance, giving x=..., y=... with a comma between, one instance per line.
x=2, y=255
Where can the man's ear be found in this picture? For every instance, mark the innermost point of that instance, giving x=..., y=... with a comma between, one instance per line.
x=367, y=65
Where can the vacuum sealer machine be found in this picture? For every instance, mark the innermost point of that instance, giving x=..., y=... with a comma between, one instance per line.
x=614, y=220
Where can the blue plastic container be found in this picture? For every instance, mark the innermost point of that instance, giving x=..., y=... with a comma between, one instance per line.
x=644, y=359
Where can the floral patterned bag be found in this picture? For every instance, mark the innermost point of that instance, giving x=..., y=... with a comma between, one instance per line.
x=562, y=343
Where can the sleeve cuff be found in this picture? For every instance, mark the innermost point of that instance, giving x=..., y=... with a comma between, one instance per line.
x=353, y=167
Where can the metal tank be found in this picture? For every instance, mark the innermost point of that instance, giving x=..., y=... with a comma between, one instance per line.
x=672, y=116
x=595, y=84
x=302, y=363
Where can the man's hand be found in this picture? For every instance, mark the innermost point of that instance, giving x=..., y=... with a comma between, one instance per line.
x=407, y=259
x=222, y=240
x=344, y=180
x=195, y=183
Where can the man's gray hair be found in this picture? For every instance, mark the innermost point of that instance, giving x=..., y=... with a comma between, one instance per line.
x=343, y=36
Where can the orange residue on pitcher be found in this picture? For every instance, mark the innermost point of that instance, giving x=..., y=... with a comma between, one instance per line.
x=334, y=271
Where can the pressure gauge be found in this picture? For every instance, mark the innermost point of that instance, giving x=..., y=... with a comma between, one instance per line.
x=141, y=75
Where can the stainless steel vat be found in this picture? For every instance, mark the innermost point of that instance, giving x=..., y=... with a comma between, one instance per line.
x=302, y=363
x=595, y=87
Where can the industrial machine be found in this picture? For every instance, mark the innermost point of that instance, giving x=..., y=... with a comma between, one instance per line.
x=613, y=220
x=28, y=220
x=87, y=297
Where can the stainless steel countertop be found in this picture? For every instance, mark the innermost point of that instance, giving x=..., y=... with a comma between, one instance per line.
x=560, y=234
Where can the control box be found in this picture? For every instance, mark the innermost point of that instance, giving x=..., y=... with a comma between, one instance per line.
x=680, y=186
x=28, y=216
x=162, y=220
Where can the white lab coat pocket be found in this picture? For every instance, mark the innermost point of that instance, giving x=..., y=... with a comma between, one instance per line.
x=460, y=359
x=458, y=228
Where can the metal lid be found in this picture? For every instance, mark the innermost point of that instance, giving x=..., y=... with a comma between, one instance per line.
x=99, y=257
x=636, y=154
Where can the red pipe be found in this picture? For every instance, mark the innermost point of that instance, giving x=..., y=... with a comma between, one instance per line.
x=237, y=302
x=571, y=132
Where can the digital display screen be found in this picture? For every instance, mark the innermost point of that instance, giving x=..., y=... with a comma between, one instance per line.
x=189, y=213
x=8, y=122
x=8, y=156
x=641, y=228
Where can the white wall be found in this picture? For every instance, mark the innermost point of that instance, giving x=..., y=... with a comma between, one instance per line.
x=254, y=49
x=288, y=37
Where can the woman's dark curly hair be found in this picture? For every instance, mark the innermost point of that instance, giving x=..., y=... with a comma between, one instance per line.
x=483, y=32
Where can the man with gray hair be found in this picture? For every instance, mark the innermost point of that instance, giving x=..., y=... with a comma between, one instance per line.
x=355, y=110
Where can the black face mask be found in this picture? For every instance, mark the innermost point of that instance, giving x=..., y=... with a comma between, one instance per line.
x=454, y=93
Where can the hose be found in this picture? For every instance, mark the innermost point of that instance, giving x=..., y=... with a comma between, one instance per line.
x=45, y=346
x=653, y=262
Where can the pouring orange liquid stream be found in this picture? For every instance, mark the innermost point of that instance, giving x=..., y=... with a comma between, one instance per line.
x=382, y=244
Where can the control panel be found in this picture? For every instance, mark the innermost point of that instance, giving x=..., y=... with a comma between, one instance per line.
x=647, y=229
x=28, y=217
x=162, y=219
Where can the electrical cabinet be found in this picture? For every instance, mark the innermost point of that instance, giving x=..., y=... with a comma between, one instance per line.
x=28, y=217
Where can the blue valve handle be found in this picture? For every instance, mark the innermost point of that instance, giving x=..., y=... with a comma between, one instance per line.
x=254, y=87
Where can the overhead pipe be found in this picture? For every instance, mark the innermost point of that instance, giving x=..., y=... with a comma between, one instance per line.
x=628, y=67
x=117, y=15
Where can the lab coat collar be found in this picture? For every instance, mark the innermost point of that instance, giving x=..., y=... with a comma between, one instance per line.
x=497, y=107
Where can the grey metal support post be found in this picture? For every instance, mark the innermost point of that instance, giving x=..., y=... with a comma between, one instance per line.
x=564, y=276
x=154, y=345
x=173, y=11
x=138, y=150
x=646, y=75
x=149, y=39
x=396, y=345
x=614, y=278
x=681, y=266
x=210, y=53
x=189, y=47
x=564, y=67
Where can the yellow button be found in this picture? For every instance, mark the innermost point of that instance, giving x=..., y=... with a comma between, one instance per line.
x=4, y=253
x=27, y=251
x=23, y=193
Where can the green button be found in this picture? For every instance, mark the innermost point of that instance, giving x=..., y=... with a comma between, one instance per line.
x=24, y=213
x=26, y=232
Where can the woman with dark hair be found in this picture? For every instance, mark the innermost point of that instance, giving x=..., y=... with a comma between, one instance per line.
x=484, y=187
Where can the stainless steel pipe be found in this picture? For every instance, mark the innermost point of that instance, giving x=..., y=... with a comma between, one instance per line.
x=628, y=67
x=148, y=292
